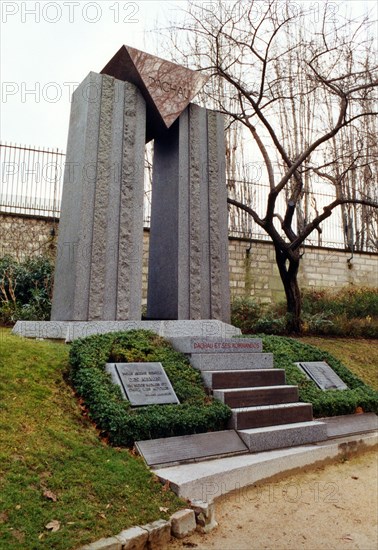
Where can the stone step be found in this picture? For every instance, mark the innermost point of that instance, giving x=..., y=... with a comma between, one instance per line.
x=264, y=395
x=231, y=361
x=243, y=378
x=270, y=415
x=286, y=435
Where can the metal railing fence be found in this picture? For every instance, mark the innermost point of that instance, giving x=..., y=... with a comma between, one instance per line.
x=32, y=178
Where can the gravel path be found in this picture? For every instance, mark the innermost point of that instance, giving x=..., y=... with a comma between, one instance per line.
x=328, y=507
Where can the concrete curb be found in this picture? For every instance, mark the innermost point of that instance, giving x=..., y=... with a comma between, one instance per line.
x=156, y=535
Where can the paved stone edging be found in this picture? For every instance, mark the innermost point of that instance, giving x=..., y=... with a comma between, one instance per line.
x=156, y=535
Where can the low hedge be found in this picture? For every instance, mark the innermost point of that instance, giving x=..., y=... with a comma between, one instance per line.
x=114, y=416
x=288, y=351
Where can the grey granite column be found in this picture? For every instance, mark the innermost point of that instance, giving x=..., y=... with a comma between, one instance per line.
x=98, y=272
x=188, y=262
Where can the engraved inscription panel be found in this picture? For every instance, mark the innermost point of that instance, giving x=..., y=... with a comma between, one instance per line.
x=143, y=383
x=323, y=375
x=235, y=345
x=171, y=86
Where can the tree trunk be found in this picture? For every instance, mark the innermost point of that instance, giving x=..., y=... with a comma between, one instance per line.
x=288, y=269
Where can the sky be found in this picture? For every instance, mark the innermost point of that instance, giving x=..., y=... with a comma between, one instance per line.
x=48, y=48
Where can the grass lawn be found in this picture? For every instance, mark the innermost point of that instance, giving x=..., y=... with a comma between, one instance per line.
x=53, y=465
x=360, y=356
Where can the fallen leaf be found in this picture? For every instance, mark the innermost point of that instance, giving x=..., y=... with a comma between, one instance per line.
x=108, y=506
x=166, y=486
x=53, y=525
x=50, y=495
x=163, y=509
x=346, y=537
x=18, y=535
x=18, y=507
x=3, y=517
x=355, y=477
x=101, y=515
x=40, y=536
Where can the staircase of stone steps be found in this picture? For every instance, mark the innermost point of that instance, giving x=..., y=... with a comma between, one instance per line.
x=266, y=412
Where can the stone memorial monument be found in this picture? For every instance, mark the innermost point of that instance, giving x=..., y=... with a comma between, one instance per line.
x=137, y=98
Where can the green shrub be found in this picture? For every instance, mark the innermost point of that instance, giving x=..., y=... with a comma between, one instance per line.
x=348, y=312
x=26, y=289
x=114, y=416
x=340, y=325
x=245, y=312
x=288, y=351
x=354, y=302
x=250, y=316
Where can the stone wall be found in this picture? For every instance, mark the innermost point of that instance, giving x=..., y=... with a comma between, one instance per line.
x=253, y=269
x=23, y=236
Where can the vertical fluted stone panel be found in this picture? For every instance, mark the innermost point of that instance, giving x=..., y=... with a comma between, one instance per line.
x=72, y=269
x=99, y=276
x=113, y=214
x=181, y=216
x=198, y=209
x=188, y=263
x=218, y=218
x=97, y=292
x=130, y=253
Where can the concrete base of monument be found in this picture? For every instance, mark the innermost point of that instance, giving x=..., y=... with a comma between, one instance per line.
x=71, y=330
x=210, y=479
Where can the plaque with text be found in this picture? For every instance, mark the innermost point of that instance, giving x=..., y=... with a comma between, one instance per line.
x=143, y=383
x=210, y=344
x=323, y=375
x=234, y=345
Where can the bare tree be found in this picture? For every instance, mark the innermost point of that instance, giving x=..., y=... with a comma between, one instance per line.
x=301, y=85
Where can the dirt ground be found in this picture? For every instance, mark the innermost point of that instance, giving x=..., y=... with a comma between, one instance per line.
x=327, y=507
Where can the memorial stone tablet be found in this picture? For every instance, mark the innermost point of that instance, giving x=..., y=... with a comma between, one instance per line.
x=143, y=383
x=323, y=375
